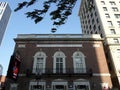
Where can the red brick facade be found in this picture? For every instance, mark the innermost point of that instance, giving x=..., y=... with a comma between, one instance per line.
x=95, y=77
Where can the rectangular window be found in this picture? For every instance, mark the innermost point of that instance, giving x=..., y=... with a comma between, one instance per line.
x=118, y=51
x=112, y=31
x=118, y=22
x=110, y=23
x=39, y=65
x=112, y=3
x=107, y=15
x=116, y=40
x=97, y=20
x=115, y=9
x=59, y=65
x=105, y=8
x=103, y=2
x=79, y=65
x=117, y=16
x=99, y=28
x=93, y=21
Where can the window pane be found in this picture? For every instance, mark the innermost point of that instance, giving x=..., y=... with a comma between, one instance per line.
x=110, y=23
x=59, y=65
x=107, y=15
x=118, y=23
x=112, y=3
x=117, y=16
x=103, y=2
x=112, y=31
x=115, y=9
x=116, y=41
x=105, y=8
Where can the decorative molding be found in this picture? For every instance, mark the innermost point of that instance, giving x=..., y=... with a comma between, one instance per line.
x=21, y=46
x=59, y=45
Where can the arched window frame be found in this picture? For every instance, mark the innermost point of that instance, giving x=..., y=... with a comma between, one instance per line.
x=59, y=54
x=43, y=56
x=79, y=55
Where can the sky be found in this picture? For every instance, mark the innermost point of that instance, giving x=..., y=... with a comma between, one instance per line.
x=19, y=24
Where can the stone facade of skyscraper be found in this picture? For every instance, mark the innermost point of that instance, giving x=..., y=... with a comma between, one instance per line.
x=103, y=17
x=5, y=13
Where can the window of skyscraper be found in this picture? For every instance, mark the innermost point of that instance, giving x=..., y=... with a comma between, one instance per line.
x=89, y=21
x=95, y=13
x=112, y=3
x=112, y=31
x=90, y=27
x=117, y=16
x=116, y=40
x=105, y=8
x=93, y=21
x=103, y=2
x=118, y=23
x=107, y=15
x=91, y=15
x=118, y=51
x=99, y=27
x=94, y=27
x=97, y=20
x=110, y=23
x=115, y=9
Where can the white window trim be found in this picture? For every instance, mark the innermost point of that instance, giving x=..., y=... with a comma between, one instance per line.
x=59, y=82
x=81, y=82
x=81, y=55
x=39, y=55
x=54, y=61
x=37, y=83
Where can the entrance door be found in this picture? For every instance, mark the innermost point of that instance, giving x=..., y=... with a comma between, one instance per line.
x=37, y=87
x=82, y=87
x=59, y=87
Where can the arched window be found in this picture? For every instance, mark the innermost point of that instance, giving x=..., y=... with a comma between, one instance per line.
x=59, y=62
x=39, y=62
x=79, y=62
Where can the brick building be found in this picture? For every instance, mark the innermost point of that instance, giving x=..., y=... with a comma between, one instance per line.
x=59, y=62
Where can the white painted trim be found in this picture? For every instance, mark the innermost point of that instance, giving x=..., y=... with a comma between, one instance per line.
x=59, y=45
x=102, y=74
x=81, y=56
x=39, y=55
x=81, y=82
x=21, y=45
x=37, y=83
x=62, y=55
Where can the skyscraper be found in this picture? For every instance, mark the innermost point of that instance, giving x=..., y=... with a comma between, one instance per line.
x=1, y=68
x=5, y=13
x=103, y=17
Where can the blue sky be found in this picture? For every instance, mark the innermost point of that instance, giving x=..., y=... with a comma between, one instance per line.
x=19, y=24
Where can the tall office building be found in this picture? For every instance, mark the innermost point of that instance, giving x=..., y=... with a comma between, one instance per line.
x=1, y=69
x=103, y=17
x=5, y=13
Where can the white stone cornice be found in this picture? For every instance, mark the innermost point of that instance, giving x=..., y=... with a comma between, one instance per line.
x=59, y=45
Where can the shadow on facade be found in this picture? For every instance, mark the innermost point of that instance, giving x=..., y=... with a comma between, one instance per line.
x=61, y=64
